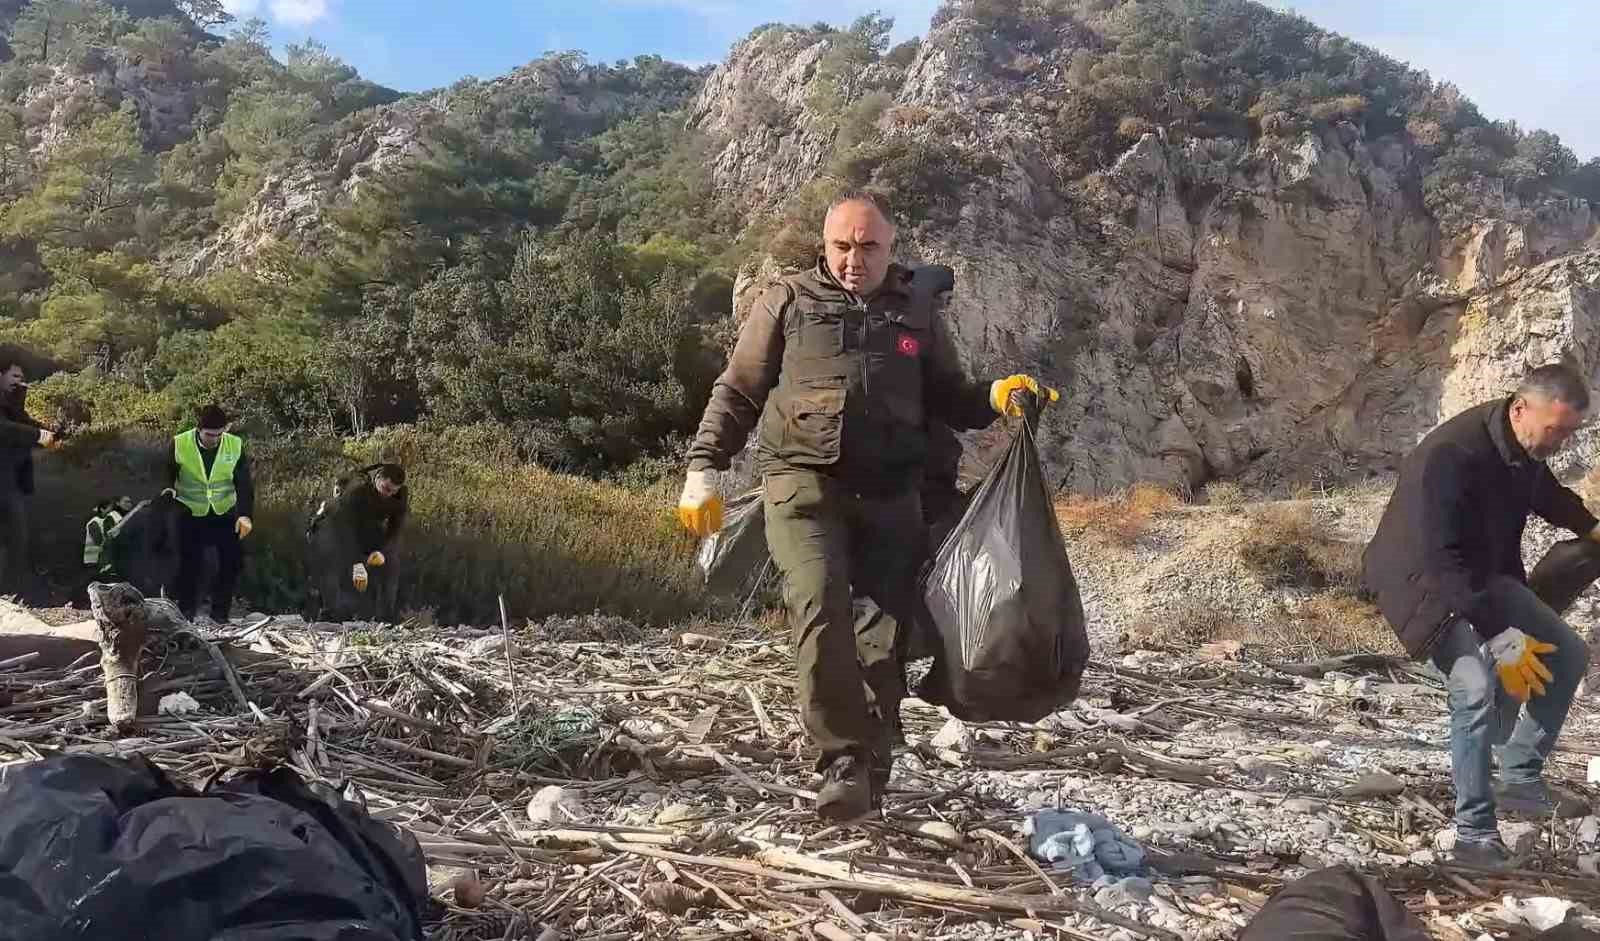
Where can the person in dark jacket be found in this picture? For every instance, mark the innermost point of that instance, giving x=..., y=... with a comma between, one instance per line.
x=842, y=366
x=1447, y=572
x=146, y=548
x=355, y=540
x=19, y=435
x=210, y=474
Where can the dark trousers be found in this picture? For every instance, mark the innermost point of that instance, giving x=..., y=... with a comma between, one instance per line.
x=829, y=542
x=196, y=535
x=336, y=598
x=16, y=574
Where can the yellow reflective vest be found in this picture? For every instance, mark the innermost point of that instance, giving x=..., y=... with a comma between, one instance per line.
x=206, y=494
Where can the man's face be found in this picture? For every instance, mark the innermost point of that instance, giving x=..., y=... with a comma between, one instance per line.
x=1543, y=425
x=857, y=242
x=209, y=437
x=386, y=486
x=12, y=379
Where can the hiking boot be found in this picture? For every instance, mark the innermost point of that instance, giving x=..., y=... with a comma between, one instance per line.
x=846, y=791
x=1537, y=799
x=1489, y=853
x=881, y=766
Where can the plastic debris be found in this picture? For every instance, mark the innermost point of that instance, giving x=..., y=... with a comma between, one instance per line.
x=1541, y=913
x=1087, y=844
x=177, y=704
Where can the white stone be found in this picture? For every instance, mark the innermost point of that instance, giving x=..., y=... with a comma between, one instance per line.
x=954, y=736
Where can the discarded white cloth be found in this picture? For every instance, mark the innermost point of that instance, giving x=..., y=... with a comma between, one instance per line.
x=177, y=704
x=1087, y=844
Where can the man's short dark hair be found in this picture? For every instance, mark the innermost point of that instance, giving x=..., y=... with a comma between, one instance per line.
x=874, y=198
x=212, y=417
x=393, y=473
x=1556, y=382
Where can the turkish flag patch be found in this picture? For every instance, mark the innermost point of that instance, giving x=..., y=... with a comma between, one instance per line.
x=908, y=345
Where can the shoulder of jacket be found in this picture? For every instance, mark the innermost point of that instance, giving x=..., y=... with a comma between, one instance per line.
x=780, y=293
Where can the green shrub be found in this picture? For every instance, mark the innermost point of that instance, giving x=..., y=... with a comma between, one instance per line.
x=481, y=524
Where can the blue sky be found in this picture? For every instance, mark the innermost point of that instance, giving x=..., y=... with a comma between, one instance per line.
x=1535, y=61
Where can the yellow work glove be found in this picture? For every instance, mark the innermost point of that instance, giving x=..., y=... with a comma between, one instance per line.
x=1516, y=660
x=243, y=526
x=376, y=560
x=700, y=507
x=1002, y=392
x=358, y=576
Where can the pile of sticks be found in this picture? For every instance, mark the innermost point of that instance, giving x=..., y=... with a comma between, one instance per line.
x=686, y=787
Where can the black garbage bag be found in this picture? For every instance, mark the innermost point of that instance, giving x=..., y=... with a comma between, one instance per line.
x=733, y=559
x=1565, y=572
x=1334, y=904
x=1011, y=637
x=107, y=849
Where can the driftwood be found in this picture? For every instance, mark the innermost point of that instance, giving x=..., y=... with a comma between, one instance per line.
x=126, y=620
x=691, y=786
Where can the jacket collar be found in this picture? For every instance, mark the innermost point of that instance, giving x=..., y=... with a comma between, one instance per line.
x=894, y=280
x=1505, y=441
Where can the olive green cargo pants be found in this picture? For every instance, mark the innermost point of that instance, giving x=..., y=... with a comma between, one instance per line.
x=828, y=540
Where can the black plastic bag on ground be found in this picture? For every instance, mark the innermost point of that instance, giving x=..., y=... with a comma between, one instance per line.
x=1001, y=596
x=1341, y=904
x=733, y=559
x=1565, y=572
x=96, y=849
x=1335, y=904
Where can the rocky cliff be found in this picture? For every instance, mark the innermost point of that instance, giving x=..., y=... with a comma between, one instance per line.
x=1274, y=308
x=1235, y=265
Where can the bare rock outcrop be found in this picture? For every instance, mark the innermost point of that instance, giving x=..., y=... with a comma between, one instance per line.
x=1275, y=310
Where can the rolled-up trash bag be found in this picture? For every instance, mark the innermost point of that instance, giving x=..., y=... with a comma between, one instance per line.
x=1565, y=572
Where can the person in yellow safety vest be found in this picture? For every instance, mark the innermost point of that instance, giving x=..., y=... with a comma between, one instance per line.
x=106, y=517
x=211, y=477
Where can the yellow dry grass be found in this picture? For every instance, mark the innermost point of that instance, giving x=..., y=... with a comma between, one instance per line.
x=1119, y=519
x=1287, y=547
x=1323, y=625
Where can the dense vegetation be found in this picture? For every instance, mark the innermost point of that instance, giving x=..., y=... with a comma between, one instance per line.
x=540, y=263
x=484, y=524
x=1210, y=68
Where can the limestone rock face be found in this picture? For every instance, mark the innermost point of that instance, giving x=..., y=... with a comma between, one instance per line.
x=1276, y=310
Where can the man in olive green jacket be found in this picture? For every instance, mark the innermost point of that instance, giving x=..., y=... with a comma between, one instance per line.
x=843, y=365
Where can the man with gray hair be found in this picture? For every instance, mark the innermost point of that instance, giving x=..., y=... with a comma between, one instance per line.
x=843, y=366
x=1446, y=568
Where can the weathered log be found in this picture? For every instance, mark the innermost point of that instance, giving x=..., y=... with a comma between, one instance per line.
x=126, y=620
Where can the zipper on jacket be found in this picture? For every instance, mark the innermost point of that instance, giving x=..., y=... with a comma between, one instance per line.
x=861, y=360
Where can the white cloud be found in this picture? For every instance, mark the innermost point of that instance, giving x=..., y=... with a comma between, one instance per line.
x=288, y=12
x=298, y=12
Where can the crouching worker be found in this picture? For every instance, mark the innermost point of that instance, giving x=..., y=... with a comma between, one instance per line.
x=842, y=366
x=354, y=540
x=107, y=516
x=145, y=548
x=211, y=477
x=1446, y=568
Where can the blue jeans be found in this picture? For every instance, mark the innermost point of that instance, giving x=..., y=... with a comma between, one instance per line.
x=1482, y=713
